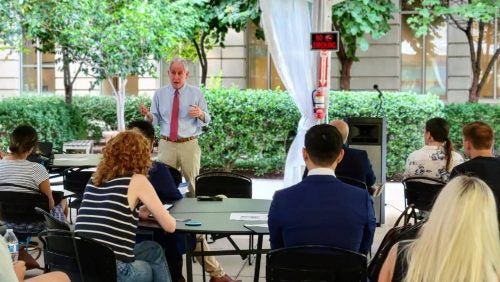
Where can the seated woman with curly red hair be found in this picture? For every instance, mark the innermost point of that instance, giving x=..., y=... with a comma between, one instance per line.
x=109, y=208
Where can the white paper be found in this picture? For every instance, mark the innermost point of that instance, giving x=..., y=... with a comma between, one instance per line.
x=168, y=206
x=248, y=216
x=255, y=225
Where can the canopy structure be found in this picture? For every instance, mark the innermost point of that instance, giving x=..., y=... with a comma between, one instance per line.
x=287, y=26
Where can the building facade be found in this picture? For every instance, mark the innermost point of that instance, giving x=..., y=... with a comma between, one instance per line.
x=438, y=63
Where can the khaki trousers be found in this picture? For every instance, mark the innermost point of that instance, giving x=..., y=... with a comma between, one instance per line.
x=186, y=156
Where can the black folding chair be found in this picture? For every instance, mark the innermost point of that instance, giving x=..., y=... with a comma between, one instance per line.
x=75, y=180
x=59, y=253
x=82, y=259
x=352, y=181
x=19, y=208
x=229, y=184
x=52, y=223
x=97, y=261
x=421, y=191
x=315, y=263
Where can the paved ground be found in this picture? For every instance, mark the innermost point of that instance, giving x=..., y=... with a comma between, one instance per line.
x=264, y=189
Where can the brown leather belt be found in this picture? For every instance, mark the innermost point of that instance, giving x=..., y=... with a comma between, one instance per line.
x=179, y=140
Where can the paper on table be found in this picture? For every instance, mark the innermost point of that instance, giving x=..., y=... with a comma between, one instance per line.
x=248, y=216
x=255, y=225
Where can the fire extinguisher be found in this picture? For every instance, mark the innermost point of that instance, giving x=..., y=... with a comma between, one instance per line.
x=318, y=103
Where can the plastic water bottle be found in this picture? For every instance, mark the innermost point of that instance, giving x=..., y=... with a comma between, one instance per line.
x=12, y=243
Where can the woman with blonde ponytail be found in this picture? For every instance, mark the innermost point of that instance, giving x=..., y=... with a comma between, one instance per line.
x=459, y=242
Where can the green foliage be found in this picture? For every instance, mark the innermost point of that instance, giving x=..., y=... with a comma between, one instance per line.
x=10, y=27
x=460, y=114
x=431, y=10
x=252, y=126
x=356, y=18
x=406, y=114
x=250, y=129
x=470, y=17
x=52, y=118
x=102, y=110
x=214, y=19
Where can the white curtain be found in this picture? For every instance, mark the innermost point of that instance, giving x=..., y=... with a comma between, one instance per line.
x=287, y=26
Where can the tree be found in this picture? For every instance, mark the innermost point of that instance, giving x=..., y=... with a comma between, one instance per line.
x=354, y=19
x=62, y=27
x=130, y=35
x=470, y=17
x=10, y=26
x=215, y=18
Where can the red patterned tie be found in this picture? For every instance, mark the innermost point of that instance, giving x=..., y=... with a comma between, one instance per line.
x=174, y=119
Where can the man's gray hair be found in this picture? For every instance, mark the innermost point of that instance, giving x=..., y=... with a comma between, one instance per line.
x=183, y=62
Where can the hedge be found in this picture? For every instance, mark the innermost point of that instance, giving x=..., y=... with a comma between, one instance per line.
x=54, y=120
x=461, y=114
x=250, y=129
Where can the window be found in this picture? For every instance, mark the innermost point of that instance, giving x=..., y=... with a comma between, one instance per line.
x=132, y=87
x=491, y=88
x=37, y=71
x=261, y=69
x=423, y=66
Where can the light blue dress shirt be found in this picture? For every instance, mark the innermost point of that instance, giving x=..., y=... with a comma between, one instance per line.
x=161, y=108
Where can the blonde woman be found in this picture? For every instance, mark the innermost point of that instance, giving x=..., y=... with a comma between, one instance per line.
x=460, y=241
x=108, y=213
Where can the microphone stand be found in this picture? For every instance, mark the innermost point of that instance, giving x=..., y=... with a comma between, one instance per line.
x=380, y=99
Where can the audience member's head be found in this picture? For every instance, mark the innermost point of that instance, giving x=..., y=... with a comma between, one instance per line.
x=127, y=153
x=478, y=138
x=323, y=146
x=438, y=130
x=460, y=241
x=144, y=127
x=342, y=127
x=23, y=139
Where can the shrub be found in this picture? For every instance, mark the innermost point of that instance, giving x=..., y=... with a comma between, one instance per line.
x=53, y=119
x=103, y=108
x=460, y=114
x=251, y=127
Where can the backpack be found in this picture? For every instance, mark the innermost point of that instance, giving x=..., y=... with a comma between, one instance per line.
x=406, y=231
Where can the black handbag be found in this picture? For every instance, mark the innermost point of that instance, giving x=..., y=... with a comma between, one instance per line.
x=398, y=233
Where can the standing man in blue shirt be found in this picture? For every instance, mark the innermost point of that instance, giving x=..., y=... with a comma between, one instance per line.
x=181, y=111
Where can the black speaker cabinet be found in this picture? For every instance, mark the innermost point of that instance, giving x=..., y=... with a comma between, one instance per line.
x=370, y=134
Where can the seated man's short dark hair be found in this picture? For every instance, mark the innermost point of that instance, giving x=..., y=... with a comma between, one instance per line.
x=323, y=143
x=145, y=127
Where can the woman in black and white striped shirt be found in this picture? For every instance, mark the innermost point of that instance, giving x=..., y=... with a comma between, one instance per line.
x=108, y=212
x=15, y=169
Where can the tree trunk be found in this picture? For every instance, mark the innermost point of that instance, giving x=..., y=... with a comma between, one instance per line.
x=202, y=56
x=120, y=104
x=119, y=95
x=345, y=74
x=68, y=83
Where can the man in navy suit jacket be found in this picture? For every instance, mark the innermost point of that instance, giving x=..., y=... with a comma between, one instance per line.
x=321, y=210
x=355, y=163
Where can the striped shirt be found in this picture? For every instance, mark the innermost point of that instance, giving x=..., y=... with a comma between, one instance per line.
x=22, y=172
x=105, y=216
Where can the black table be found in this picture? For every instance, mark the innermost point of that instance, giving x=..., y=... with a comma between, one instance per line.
x=214, y=216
